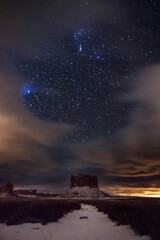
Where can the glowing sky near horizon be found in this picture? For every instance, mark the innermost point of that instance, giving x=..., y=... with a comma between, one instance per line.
x=80, y=93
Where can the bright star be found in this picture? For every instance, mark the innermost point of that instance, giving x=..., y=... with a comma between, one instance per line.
x=26, y=89
x=80, y=48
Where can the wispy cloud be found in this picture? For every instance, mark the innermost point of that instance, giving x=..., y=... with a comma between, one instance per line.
x=133, y=151
x=24, y=140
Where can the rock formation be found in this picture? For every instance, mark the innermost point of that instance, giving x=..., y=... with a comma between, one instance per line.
x=83, y=181
x=84, y=187
x=6, y=190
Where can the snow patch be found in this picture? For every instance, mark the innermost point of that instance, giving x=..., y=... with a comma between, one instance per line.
x=84, y=192
x=73, y=226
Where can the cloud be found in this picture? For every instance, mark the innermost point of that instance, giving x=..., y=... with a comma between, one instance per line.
x=30, y=147
x=133, y=151
x=24, y=140
x=44, y=21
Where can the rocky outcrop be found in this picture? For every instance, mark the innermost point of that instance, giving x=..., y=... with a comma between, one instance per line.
x=6, y=190
x=81, y=180
x=85, y=193
x=84, y=187
x=8, y=187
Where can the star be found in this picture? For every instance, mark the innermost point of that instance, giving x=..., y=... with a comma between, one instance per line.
x=77, y=84
x=26, y=89
x=80, y=48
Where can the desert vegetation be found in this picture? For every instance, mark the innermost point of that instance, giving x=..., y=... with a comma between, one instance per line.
x=18, y=211
x=143, y=215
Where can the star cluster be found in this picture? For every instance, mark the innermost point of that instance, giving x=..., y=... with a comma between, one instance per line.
x=81, y=78
x=78, y=87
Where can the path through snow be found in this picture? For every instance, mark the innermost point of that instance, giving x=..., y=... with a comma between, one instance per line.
x=96, y=227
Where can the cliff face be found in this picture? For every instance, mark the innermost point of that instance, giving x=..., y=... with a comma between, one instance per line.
x=81, y=180
x=6, y=190
x=84, y=187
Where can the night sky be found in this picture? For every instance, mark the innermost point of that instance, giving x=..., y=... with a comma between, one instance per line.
x=80, y=93
x=79, y=86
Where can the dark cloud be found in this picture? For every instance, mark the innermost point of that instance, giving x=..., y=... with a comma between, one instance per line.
x=33, y=150
x=133, y=152
x=24, y=140
x=44, y=21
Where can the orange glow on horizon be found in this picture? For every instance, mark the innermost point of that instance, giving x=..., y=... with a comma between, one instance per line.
x=133, y=192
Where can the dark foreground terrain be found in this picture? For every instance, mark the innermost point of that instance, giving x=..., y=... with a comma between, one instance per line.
x=143, y=215
x=19, y=210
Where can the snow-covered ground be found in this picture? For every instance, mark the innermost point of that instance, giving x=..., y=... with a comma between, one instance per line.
x=93, y=226
x=29, y=196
